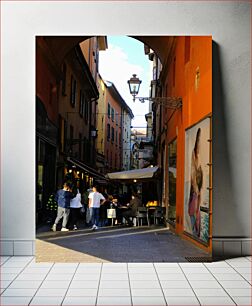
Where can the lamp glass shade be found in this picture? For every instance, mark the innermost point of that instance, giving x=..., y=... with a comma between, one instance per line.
x=134, y=85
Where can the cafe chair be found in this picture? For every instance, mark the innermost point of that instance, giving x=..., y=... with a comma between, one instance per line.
x=142, y=214
x=158, y=214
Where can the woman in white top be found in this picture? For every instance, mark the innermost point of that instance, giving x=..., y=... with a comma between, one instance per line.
x=75, y=206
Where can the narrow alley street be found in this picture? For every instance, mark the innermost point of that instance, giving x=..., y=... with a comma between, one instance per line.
x=113, y=244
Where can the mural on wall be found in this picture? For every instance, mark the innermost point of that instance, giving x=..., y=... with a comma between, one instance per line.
x=196, y=182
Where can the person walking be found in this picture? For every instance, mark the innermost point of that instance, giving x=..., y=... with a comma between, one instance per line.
x=63, y=197
x=75, y=206
x=96, y=199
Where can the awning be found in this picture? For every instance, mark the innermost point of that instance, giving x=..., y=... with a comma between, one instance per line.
x=86, y=168
x=138, y=174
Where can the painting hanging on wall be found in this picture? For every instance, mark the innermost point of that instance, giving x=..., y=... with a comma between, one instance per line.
x=196, y=180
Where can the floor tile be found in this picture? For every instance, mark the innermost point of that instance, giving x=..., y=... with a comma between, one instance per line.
x=29, y=270
x=55, y=284
x=40, y=265
x=239, y=291
x=9, y=270
x=114, y=271
x=21, y=258
x=241, y=264
x=8, y=276
x=29, y=276
x=47, y=300
x=63, y=265
x=114, y=284
x=200, y=276
x=4, y=259
x=195, y=270
x=63, y=270
x=78, y=284
x=204, y=284
x=14, y=264
x=235, y=284
x=84, y=276
x=249, y=258
x=138, y=276
x=229, y=276
x=189, y=300
x=166, y=264
x=152, y=301
x=191, y=264
x=19, y=292
x=248, y=277
x=220, y=270
x=178, y=292
x=220, y=300
x=51, y=292
x=146, y=292
x=116, y=301
x=5, y=283
x=25, y=284
x=21, y=300
x=140, y=265
x=169, y=270
x=144, y=284
x=114, y=277
x=114, y=292
x=171, y=276
x=166, y=284
x=237, y=259
x=210, y=292
x=142, y=270
x=80, y=301
x=58, y=277
x=217, y=264
x=243, y=270
x=243, y=300
x=82, y=292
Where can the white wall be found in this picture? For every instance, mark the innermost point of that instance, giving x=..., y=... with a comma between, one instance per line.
x=229, y=25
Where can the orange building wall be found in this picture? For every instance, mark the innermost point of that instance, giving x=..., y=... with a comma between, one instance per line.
x=197, y=104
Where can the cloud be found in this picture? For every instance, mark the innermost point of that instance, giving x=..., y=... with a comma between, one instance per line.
x=114, y=66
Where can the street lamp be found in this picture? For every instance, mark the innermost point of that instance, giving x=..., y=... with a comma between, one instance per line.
x=134, y=85
x=169, y=102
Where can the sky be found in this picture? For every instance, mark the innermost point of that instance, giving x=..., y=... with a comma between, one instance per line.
x=124, y=57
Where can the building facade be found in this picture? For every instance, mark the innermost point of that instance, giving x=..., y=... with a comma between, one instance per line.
x=183, y=137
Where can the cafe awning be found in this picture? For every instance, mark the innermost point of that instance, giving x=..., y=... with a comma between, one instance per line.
x=137, y=174
x=86, y=168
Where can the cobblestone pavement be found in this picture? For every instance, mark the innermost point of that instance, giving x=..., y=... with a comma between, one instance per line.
x=114, y=244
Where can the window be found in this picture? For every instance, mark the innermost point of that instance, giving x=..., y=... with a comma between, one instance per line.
x=112, y=114
x=108, y=110
x=187, y=48
x=113, y=134
x=73, y=91
x=174, y=71
x=64, y=71
x=116, y=118
x=108, y=131
x=81, y=104
x=86, y=109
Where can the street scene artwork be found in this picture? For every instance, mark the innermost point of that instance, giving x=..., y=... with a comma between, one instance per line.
x=196, y=192
x=118, y=120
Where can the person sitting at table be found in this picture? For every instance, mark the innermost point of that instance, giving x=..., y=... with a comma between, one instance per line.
x=132, y=209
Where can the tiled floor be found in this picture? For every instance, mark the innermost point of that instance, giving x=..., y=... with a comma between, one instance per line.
x=25, y=282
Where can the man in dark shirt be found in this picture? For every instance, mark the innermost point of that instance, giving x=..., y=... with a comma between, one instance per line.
x=63, y=197
x=132, y=209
